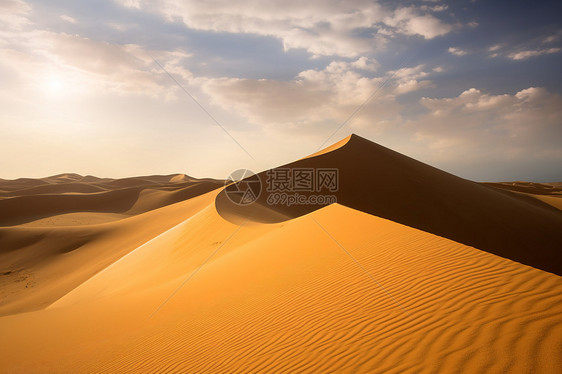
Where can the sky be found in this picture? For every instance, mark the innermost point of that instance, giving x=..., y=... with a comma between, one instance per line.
x=119, y=88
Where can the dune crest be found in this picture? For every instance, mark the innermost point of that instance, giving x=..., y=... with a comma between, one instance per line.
x=165, y=274
x=387, y=184
x=66, y=226
x=27, y=201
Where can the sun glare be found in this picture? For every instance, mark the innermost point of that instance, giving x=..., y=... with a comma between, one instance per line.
x=55, y=85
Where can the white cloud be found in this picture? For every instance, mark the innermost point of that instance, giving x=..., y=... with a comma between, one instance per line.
x=410, y=22
x=457, y=51
x=13, y=14
x=552, y=38
x=68, y=19
x=435, y=8
x=532, y=53
x=116, y=67
x=364, y=63
x=470, y=128
x=38, y=59
x=410, y=79
x=135, y=4
x=348, y=29
x=315, y=97
x=412, y=85
x=474, y=124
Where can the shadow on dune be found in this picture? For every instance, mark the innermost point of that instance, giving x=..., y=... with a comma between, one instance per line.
x=381, y=182
x=22, y=209
x=116, y=196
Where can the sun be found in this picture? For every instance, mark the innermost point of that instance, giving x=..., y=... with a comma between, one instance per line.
x=55, y=85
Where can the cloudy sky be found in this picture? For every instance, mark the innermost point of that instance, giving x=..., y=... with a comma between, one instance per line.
x=95, y=87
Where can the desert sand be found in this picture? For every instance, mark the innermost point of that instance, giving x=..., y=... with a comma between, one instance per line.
x=413, y=270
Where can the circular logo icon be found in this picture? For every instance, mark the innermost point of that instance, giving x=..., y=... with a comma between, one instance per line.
x=243, y=187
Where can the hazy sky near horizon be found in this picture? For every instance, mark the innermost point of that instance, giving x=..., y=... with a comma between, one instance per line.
x=473, y=87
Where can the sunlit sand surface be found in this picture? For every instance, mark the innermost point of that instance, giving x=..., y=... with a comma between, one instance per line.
x=161, y=274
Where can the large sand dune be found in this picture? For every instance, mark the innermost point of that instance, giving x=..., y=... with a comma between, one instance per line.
x=377, y=283
x=387, y=184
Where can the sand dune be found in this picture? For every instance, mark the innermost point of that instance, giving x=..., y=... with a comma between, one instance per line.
x=75, y=219
x=379, y=181
x=71, y=187
x=179, y=280
x=286, y=298
x=530, y=187
x=68, y=193
x=57, y=259
x=20, y=183
x=549, y=193
x=80, y=233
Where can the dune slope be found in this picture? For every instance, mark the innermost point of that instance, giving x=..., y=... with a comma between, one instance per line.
x=64, y=238
x=29, y=200
x=387, y=184
x=287, y=297
x=164, y=274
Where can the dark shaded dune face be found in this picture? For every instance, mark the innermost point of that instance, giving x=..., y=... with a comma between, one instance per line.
x=259, y=211
x=152, y=180
x=33, y=245
x=379, y=181
x=12, y=240
x=21, y=183
x=21, y=209
x=25, y=201
x=93, y=179
x=131, y=182
x=63, y=178
x=58, y=188
x=192, y=190
x=553, y=189
x=170, y=194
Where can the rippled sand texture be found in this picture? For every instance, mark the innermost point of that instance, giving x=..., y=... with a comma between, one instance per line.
x=332, y=290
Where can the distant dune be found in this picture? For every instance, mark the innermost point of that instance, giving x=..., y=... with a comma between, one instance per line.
x=412, y=270
x=68, y=193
